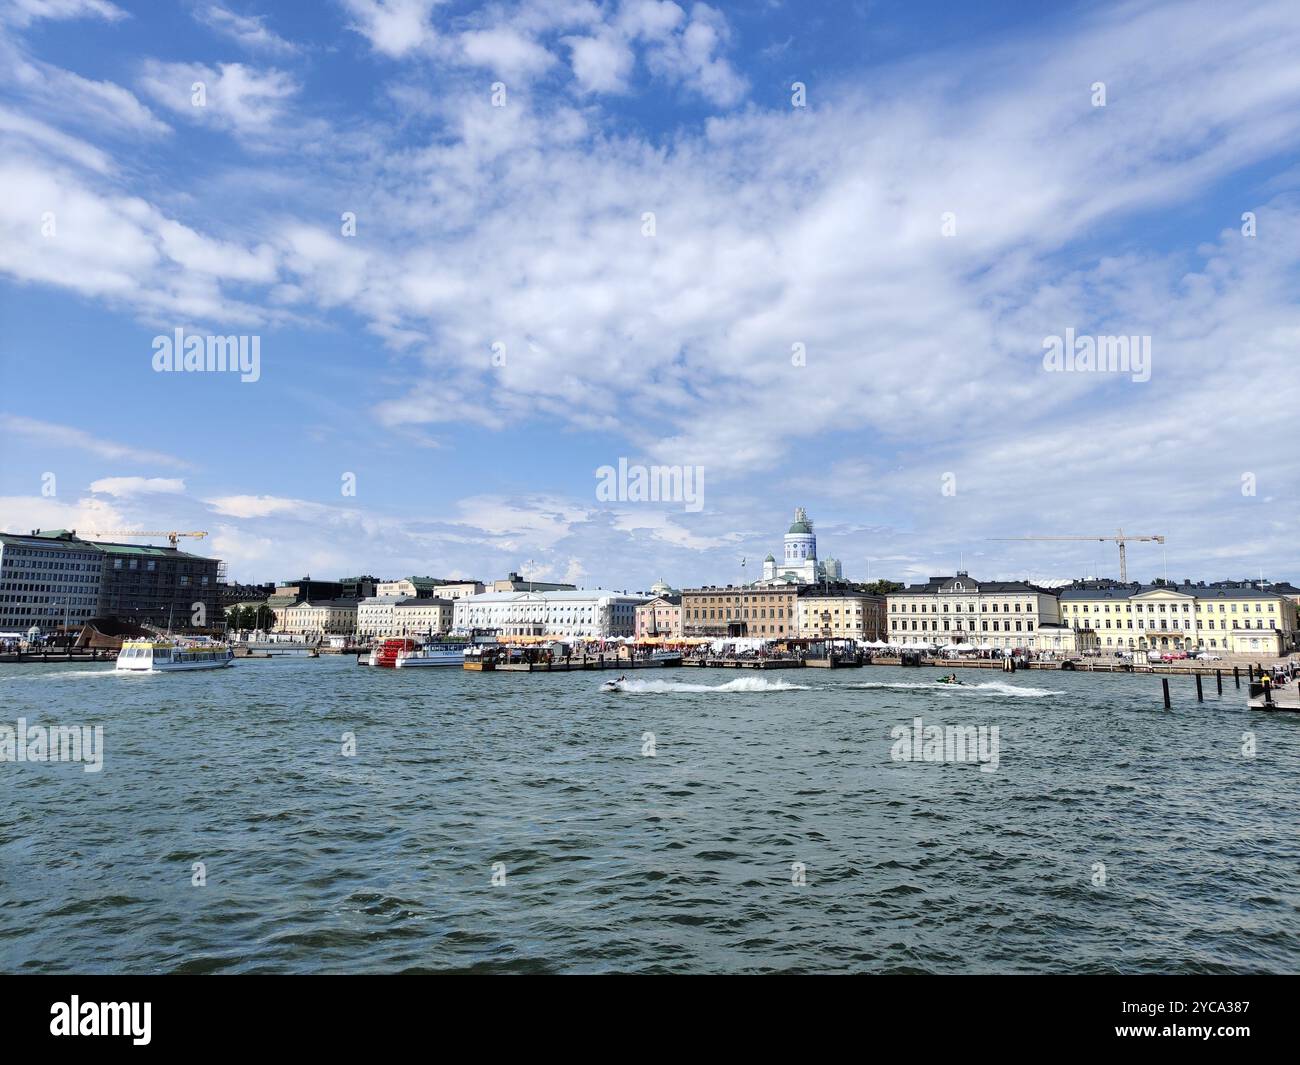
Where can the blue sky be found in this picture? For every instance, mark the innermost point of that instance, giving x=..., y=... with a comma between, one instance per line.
x=923, y=421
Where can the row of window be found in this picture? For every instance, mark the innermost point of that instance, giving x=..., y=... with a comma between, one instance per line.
x=933, y=626
x=933, y=608
x=1074, y=608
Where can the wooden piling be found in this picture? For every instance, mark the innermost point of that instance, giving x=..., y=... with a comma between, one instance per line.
x=1164, y=683
x=1200, y=695
x=1218, y=679
x=1236, y=675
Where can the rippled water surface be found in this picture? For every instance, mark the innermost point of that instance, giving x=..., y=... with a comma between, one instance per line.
x=614, y=860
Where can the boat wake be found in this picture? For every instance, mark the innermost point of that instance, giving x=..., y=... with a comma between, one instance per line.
x=993, y=687
x=740, y=684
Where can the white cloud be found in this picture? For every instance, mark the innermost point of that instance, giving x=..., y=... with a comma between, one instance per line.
x=249, y=30
x=51, y=436
x=506, y=52
x=393, y=27
x=25, y=12
x=129, y=487
x=238, y=98
x=601, y=64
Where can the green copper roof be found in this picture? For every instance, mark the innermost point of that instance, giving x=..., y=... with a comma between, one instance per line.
x=799, y=527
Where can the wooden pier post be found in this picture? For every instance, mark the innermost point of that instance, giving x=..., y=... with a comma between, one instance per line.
x=1236, y=675
x=1200, y=695
x=1218, y=679
x=1164, y=682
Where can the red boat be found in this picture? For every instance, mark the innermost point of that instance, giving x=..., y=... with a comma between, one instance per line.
x=386, y=653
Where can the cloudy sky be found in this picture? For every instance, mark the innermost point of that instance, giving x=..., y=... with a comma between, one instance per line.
x=814, y=250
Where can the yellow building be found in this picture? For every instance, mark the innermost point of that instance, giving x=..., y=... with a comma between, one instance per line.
x=841, y=614
x=1180, y=617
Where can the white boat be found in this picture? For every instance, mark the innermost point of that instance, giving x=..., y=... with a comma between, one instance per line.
x=433, y=654
x=168, y=656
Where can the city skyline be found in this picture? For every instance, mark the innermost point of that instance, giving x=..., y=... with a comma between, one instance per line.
x=842, y=300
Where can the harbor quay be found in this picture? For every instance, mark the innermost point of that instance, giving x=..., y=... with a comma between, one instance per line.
x=65, y=598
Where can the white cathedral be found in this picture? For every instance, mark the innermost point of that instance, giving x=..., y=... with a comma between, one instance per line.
x=800, y=565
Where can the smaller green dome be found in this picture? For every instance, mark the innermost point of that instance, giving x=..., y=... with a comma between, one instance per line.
x=799, y=527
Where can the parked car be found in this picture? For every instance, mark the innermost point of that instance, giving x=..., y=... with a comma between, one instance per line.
x=1208, y=656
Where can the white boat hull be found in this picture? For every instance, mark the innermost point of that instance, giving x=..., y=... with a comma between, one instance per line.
x=173, y=667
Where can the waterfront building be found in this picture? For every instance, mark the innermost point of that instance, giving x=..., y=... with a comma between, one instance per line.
x=160, y=586
x=745, y=610
x=1001, y=615
x=47, y=579
x=840, y=612
x=548, y=613
x=516, y=583
x=661, y=616
x=799, y=563
x=420, y=616
x=335, y=617
x=1233, y=617
x=1096, y=615
x=376, y=616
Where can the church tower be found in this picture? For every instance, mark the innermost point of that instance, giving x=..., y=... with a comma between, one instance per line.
x=801, y=544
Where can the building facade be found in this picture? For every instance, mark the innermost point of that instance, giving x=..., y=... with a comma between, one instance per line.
x=746, y=610
x=661, y=616
x=159, y=586
x=844, y=613
x=337, y=617
x=423, y=617
x=999, y=615
x=593, y=614
x=377, y=616
x=1238, y=618
x=46, y=580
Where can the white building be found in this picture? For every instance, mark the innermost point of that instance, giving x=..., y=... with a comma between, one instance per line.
x=997, y=614
x=799, y=563
x=376, y=617
x=422, y=617
x=329, y=617
x=561, y=614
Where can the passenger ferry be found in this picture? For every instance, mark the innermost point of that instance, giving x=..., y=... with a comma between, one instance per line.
x=447, y=653
x=386, y=654
x=166, y=656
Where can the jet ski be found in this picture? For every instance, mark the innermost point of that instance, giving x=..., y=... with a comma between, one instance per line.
x=950, y=679
x=613, y=685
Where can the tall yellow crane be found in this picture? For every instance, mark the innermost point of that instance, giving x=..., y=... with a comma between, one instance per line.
x=171, y=536
x=1120, y=539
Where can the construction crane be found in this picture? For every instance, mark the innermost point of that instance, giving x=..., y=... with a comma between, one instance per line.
x=171, y=536
x=1120, y=539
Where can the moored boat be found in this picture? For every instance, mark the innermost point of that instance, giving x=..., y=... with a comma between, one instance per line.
x=386, y=654
x=171, y=656
x=434, y=653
